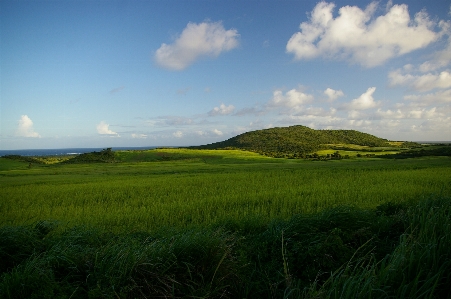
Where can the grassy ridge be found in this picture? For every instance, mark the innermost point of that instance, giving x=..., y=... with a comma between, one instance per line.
x=298, y=140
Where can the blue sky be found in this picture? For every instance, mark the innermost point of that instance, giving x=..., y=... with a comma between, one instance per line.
x=176, y=73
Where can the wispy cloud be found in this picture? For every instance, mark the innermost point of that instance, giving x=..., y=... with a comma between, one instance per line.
x=117, y=89
x=207, y=39
x=25, y=128
x=356, y=35
x=139, y=136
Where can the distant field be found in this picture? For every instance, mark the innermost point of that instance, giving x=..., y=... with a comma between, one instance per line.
x=147, y=190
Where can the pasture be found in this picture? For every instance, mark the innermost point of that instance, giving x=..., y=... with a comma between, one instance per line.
x=178, y=223
x=147, y=190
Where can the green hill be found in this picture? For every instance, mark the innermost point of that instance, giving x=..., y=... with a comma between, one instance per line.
x=296, y=140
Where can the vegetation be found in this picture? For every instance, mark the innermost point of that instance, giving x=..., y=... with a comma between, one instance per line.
x=198, y=223
x=296, y=141
x=393, y=251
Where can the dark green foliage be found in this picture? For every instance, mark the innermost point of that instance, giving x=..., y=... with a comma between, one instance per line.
x=295, y=141
x=104, y=156
x=23, y=159
x=394, y=251
x=437, y=150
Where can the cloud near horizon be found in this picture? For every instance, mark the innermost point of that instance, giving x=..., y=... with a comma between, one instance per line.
x=222, y=110
x=293, y=98
x=103, y=129
x=360, y=37
x=207, y=39
x=25, y=128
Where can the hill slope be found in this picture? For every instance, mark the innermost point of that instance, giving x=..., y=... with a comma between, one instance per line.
x=299, y=140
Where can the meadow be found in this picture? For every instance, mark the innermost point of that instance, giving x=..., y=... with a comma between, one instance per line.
x=180, y=188
x=179, y=223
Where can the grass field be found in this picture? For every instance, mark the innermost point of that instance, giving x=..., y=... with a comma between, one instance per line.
x=179, y=188
x=178, y=223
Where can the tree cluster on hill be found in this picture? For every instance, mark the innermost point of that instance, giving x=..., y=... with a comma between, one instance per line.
x=441, y=150
x=104, y=156
x=295, y=141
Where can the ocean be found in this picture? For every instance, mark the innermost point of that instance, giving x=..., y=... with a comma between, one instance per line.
x=64, y=151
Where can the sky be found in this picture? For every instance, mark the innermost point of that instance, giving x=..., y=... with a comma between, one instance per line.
x=90, y=73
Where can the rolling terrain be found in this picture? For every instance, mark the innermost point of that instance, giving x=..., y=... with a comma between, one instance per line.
x=300, y=141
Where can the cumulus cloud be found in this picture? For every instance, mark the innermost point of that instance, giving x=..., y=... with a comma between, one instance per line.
x=333, y=94
x=291, y=99
x=424, y=82
x=365, y=101
x=25, y=128
x=103, y=129
x=222, y=110
x=359, y=36
x=217, y=132
x=196, y=41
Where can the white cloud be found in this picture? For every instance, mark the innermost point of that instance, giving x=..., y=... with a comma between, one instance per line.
x=333, y=94
x=292, y=98
x=196, y=41
x=391, y=114
x=217, y=132
x=168, y=121
x=178, y=134
x=443, y=96
x=365, y=101
x=25, y=127
x=103, y=129
x=139, y=136
x=424, y=113
x=221, y=110
x=357, y=35
x=421, y=83
x=441, y=58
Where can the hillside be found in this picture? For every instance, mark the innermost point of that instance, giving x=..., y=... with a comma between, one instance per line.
x=296, y=140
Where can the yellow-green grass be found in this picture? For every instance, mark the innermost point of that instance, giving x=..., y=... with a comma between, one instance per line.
x=205, y=187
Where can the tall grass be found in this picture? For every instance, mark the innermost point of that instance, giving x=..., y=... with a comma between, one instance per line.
x=393, y=251
x=147, y=196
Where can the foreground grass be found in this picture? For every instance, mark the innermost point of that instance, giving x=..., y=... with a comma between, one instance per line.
x=392, y=251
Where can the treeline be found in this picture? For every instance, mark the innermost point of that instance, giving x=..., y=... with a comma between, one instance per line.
x=20, y=158
x=104, y=156
x=442, y=150
x=295, y=141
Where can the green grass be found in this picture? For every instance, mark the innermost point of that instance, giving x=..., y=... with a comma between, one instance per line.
x=204, y=187
x=179, y=223
x=393, y=251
